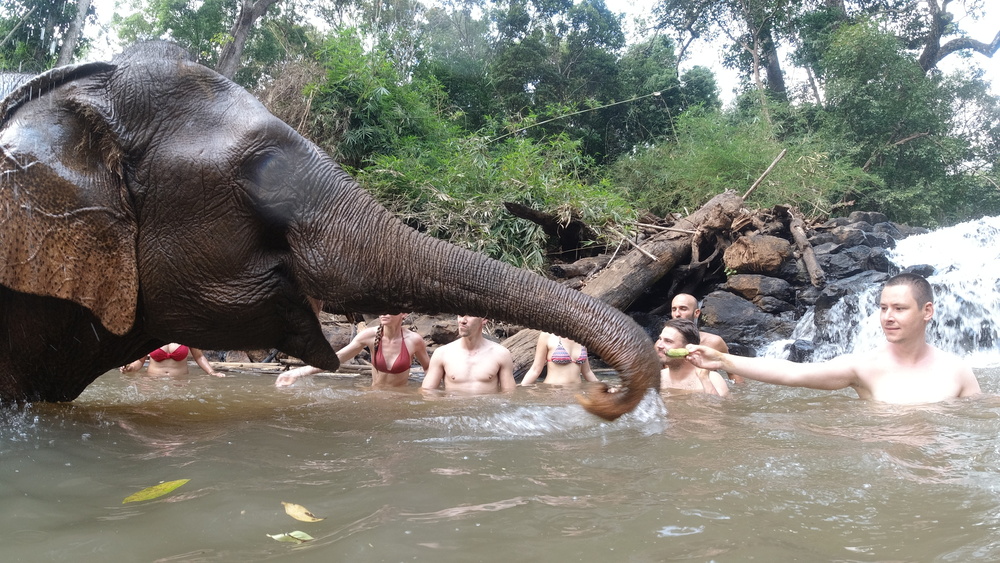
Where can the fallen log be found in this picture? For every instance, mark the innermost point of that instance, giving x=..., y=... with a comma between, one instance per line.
x=625, y=279
x=796, y=225
x=582, y=267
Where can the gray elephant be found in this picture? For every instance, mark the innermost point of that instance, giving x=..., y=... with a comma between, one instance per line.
x=151, y=200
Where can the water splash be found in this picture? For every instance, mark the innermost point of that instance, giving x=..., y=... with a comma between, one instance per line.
x=966, y=281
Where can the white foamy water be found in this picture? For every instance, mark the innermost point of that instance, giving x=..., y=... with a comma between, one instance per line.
x=966, y=281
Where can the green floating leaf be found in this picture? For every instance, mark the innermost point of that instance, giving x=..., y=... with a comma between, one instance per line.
x=292, y=537
x=155, y=491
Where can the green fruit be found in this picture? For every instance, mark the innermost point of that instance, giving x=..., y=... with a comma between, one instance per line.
x=677, y=352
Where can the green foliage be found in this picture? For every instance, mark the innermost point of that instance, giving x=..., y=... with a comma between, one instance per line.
x=905, y=127
x=362, y=108
x=713, y=152
x=32, y=32
x=456, y=191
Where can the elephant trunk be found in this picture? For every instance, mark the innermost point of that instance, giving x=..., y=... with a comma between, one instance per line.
x=393, y=267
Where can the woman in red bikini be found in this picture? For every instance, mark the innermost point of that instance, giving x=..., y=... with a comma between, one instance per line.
x=566, y=362
x=171, y=360
x=393, y=349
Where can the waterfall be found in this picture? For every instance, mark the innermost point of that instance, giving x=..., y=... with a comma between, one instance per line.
x=966, y=282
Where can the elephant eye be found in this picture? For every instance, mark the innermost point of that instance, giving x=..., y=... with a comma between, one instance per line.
x=266, y=168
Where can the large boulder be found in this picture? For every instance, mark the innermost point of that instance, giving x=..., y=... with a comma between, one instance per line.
x=870, y=217
x=757, y=254
x=739, y=321
x=771, y=295
x=850, y=261
x=846, y=292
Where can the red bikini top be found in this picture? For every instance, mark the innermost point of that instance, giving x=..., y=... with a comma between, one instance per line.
x=178, y=355
x=401, y=363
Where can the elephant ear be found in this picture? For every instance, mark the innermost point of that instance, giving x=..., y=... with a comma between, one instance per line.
x=67, y=228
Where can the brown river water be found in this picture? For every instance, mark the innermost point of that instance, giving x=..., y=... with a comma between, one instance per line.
x=769, y=474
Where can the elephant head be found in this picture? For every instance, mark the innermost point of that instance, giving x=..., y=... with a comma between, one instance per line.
x=151, y=200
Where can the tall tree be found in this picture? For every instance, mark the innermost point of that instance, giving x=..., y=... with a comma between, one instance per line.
x=250, y=12
x=220, y=33
x=73, y=34
x=34, y=32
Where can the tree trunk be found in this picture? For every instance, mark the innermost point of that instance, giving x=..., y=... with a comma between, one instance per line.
x=772, y=66
x=626, y=278
x=232, y=52
x=73, y=34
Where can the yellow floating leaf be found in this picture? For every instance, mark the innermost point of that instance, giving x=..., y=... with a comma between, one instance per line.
x=155, y=491
x=300, y=512
x=292, y=537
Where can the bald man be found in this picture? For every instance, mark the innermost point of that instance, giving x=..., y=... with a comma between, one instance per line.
x=685, y=306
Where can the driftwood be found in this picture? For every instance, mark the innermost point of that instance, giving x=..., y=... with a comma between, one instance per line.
x=796, y=225
x=582, y=267
x=626, y=278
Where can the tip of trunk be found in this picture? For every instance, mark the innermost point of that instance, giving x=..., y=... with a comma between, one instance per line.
x=608, y=404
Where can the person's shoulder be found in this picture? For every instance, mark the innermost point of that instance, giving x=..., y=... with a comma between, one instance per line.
x=368, y=332
x=944, y=359
x=713, y=341
x=496, y=347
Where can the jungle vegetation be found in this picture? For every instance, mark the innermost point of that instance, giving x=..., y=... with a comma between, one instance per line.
x=447, y=110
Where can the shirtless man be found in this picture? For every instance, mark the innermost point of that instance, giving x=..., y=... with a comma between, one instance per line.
x=678, y=373
x=904, y=370
x=685, y=306
x=472, y=364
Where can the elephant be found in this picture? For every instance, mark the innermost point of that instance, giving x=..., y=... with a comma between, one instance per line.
x=149, y=200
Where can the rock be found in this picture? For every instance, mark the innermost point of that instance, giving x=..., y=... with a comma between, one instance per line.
x=755, y=286
x=863, y=226
x=852, y=261
x=808, y=295
x=800, y=350
x=848, y=236
x=757, y=254
x=888, y=228
x=827, y=248
x=906, y=230
x=871, y=217
x=854, y=284
x=826, y=324
x=737, y=320
x=773, y=305
x=923, y=270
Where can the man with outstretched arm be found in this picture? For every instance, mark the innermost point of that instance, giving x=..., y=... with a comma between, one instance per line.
x=904, y=370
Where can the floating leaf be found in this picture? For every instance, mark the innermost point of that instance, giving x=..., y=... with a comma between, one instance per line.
x=300, y=512
x=155, y=491
x=292, y=537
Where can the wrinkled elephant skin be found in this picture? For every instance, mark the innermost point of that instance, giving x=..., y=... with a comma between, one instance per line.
x=150, y=200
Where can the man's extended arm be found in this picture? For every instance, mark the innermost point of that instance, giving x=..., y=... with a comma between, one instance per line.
x=834, y=374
